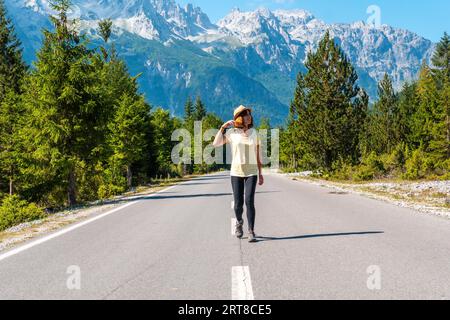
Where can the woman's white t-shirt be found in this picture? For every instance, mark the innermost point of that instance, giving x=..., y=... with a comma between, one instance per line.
x=244, y=151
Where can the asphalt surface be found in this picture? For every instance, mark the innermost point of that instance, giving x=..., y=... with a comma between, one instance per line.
x=178, y=244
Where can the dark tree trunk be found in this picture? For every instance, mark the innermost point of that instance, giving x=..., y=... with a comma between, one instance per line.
x=129, y=177
x=328, y=159
x=448, y=136
x=11, y=186
x=72, y=188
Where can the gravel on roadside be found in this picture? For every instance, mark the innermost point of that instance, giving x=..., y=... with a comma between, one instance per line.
x=431, y=197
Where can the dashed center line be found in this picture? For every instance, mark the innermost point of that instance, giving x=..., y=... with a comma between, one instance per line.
x=241, y=283
x=233, y=226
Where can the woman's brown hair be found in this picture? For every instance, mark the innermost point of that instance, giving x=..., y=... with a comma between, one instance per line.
x=239, y=122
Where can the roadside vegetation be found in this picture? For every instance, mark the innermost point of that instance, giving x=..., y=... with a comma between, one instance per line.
x=336, y=132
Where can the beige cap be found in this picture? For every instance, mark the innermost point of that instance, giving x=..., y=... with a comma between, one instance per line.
x=239, y=110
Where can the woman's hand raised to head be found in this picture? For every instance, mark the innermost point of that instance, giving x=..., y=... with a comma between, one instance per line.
x=228, y=124
x=221, y=139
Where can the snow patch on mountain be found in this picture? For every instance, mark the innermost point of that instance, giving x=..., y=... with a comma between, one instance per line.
x=375, y=50
x=263, y=46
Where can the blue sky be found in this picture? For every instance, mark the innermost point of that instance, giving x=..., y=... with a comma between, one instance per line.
x=428, y=18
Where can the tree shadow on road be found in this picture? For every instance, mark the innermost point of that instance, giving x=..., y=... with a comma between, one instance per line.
x=197, y=195
x=215, y=177
x=309, y=236
x=194, y=183
x=173, y=195
x=183, y=196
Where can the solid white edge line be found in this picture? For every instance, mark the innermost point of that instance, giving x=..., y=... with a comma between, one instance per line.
x=241, y=284
x=71, y=228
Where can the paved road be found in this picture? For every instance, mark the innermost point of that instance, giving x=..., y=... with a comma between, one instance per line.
x=178, y=244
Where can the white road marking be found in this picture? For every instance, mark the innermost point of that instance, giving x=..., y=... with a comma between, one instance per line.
x=241, y=284
x=232, y=205
x=233, y=226
x=76, y=226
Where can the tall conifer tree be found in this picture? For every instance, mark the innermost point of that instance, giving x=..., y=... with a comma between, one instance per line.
x=64, y=102
x=333, y=101
x=12, y=72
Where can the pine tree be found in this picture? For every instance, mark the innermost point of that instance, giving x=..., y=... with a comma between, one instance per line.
x=441, y=58
x=439, y=146
x=12, y=117
x=428, y=102
x=441, y=132
x=12, y=72
x=163, y=125
x=200, y=110
x=128, y=136
x=129, y=115
x=64, y=102
x=332, y=99
x=105, y=31
x=12, y=66
x=293, y=148
x=383, y=130
x=116, y=77
x=266, y=144
x=188, y=110
x=115, y=80
x=407, y=107
x=210, y=123
x=360, y=123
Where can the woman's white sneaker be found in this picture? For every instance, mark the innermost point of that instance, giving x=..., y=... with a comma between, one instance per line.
x=252, y=237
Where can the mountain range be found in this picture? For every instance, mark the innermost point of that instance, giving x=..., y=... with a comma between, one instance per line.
x=249, y=58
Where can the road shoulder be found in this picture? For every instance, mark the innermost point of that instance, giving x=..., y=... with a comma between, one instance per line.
x=429, y=197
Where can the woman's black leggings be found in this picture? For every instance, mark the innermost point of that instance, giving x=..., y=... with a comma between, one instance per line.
x=247, y=186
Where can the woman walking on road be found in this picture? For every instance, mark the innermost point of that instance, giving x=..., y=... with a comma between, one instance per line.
x=246, y=165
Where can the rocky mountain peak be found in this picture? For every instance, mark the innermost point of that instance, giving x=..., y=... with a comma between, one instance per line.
x=264, y=47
